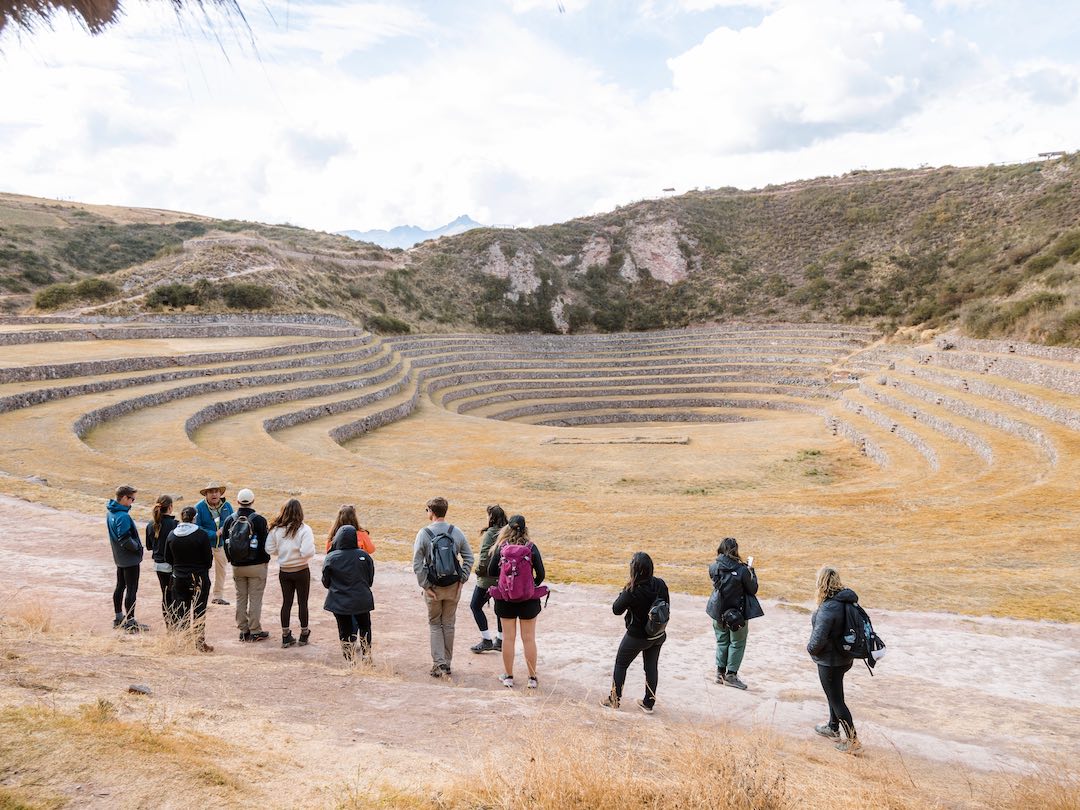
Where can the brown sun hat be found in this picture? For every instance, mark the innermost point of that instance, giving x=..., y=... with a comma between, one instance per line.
x=211, y=486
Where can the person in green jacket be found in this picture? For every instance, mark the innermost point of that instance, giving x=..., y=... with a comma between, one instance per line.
x=480, y=596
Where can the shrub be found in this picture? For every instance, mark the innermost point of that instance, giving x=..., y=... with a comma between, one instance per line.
x=1040, y=263
x=247, y=296
x=37, y=275
x=388, y=325
x=54, y=296
x=95, y=289
x=176, y=296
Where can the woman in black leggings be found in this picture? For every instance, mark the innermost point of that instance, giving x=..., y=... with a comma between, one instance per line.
x=481, y=594
x=825, y=648
x=156, y=531
x=636, y=599
x=294, y=544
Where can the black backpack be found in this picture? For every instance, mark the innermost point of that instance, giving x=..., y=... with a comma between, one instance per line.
x=659, y=614
x=859, y=639
x=443, y=567
x=243, y=544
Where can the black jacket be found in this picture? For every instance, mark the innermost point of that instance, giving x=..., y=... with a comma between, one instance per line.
x=829, y=626
x=637, y=602
x=187, y=550
x=494, y=562
x=347, y=575
x=258, y=523
x=735, y=585
x=168, y=523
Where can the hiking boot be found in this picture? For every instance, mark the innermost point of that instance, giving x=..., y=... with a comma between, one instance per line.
x=245, y=636
x=850, y=746
x=218, y=601
x=645, y=707
x=203, y=647
x=507, y=681
x=720, y=673
x=132, y=626
x=445, y=669
x=119, y=620
x=485, y=645
x=533, y=683
x=732, y=679
x=305, y=636
x=262, y=635
x=436, y=671
x=496, y=645
x=825, y=730
x=287, y=639
x=610, y=702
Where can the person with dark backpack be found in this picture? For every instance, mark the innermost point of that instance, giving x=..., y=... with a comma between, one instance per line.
x=826, y=647
x=245, y=547
x=482, y=592
x=442, y=561
x=515, y=561
x=127, y=551
x=188, y=550
x=156, y=531
x=647, y=605
x=732, y=604
x=348, y=573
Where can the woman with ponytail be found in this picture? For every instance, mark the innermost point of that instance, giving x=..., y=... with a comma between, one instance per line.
x=481, y=592
x=517, y=595
x=157, y=530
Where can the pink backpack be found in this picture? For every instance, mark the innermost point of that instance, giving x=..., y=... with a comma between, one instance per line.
x=516, y=576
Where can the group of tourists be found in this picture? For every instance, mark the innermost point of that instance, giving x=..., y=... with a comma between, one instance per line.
x=509, y=572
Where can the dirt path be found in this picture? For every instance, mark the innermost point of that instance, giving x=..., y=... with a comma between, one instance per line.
x=996, y=695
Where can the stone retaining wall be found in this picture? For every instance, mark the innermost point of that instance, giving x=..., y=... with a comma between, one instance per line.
x=172, y=332
x=88, y=421
x=631, y=417
x=289, y=420
x=807, y=355
x=979, y=414
x=688, y=402
x=506, y=360
x=61, y=371
x=232, y=407
x=1031, y=372
x=352, y=430
x=894, y=427
x=867, y=446
x=949, y=342
x=971, y=440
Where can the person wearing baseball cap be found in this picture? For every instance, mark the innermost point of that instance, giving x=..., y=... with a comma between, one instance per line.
x=210, y=515
x=245, y=546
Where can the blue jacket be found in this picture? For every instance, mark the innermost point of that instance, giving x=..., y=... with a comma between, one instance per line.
x=127, y=548
x=205, y=521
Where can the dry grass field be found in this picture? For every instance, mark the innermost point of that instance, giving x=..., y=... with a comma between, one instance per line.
x=938, y=477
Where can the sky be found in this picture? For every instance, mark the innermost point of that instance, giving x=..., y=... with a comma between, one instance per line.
x=335, y=115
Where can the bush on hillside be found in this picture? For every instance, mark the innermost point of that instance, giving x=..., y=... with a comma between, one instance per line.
x=54, y=296
x=247, y=296
x=175, y=296
x=388, y=325
x=103, y=248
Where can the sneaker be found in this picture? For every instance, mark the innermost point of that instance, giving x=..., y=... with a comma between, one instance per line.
x=262, y=635
x=496, y=645
x=437, y=671
x=287, y=639
x=825, y=730
x=485, y=645
x=732, y=679
x=720, y=673
x=507, y=681
x=445, y=670
x=610, y=702
x=245, y=636
x=119, y=620
x=850, y=746
x=218, y=602
x=533, y=683
x=132, y=626
x=645, y=707
x=305, y=636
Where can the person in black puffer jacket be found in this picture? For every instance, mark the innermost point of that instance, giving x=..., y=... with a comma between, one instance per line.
x=635, y=601
x=347, y=575
x=156, y=531
x=188, y=551
x=828, y=627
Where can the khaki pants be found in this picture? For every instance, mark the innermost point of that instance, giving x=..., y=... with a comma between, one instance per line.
x=219, y=572
x=442, y=614
x=250, y=583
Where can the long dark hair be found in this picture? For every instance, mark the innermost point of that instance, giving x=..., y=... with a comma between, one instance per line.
x=291, y=517
x=161, y=508
x=729, y=547
x=346, y=516
x=496, y=518
x=641, y=570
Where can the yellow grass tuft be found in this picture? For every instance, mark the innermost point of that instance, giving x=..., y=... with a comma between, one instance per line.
x=30, y=614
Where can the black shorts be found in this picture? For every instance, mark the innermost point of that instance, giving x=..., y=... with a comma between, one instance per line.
x=517, y=610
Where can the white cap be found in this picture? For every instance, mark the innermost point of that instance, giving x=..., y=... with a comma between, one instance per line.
x=245, y=497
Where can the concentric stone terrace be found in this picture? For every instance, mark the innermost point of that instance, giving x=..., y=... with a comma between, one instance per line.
x=796, y=431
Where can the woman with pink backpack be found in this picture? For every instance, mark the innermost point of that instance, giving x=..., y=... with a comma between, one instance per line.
x=520, y=570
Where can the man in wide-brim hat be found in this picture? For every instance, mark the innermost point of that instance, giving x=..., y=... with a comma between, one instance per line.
x=210, y=515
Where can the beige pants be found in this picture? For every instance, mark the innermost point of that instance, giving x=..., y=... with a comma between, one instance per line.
x=219, y=572
x=250, y=583
x=442, y=615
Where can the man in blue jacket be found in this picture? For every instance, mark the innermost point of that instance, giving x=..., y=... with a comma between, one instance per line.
x=210, y=515
x=127, y=551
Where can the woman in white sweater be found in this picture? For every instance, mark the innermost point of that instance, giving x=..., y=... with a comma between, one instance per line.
x=294, y=544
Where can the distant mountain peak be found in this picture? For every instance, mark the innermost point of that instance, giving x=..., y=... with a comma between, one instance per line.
x=405, y=236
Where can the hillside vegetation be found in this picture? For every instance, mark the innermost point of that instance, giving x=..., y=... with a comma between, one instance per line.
x=993, y=250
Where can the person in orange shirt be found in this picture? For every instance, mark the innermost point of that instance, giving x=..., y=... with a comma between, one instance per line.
x=346, y=516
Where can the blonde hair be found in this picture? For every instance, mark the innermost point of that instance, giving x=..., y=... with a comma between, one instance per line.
x=511, y=535
x=828, y=583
